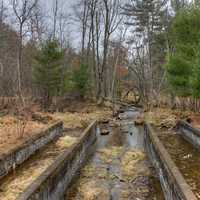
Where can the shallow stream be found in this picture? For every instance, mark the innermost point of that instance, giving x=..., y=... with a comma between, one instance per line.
x=119, y=169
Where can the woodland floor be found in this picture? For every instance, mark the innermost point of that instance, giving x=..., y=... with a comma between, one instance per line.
x=10, y=133
x=14, y=131
x=77, y=116
x=167, y=118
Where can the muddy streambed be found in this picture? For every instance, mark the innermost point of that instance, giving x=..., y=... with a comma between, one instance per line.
x=15, y=183
x=186, y=157
x=119, y=169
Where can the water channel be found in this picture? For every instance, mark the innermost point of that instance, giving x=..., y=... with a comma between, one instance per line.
x=119, y=169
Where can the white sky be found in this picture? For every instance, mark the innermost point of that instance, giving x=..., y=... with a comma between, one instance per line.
x=65, y=7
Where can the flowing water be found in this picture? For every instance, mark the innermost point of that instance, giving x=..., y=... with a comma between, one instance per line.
x=119, y=169
x=186, y=157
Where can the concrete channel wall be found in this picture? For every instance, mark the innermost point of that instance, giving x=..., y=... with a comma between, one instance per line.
x=18, y=155
x=173, y=184
x=52, y=184
x=189, y=133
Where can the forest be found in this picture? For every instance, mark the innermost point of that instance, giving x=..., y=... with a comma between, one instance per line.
x=99, y=99
x=146, y=50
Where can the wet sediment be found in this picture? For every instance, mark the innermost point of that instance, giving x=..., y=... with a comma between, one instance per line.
x=119, y=169
x=185, y=156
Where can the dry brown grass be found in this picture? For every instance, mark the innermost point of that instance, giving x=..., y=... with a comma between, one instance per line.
x=14, y=185
x=10, y=132
x=81, y=118
x=168, y=118
x=130, y=161
x=14, y=130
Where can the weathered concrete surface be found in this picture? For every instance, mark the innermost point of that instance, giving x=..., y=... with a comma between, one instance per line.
x=18, y=155
x=189, y=133
x=52, y=184
x=173, y=184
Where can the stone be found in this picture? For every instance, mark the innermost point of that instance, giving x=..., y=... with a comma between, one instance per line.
x=105, y=132
x=139, y=122
x=189, y=120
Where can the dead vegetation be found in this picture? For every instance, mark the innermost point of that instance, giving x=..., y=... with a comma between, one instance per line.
x=14, y=131
x=167, y=118
x=16, y=183
x=80, y=116
x=130, y=162
x=21, y=123
x=97, y=178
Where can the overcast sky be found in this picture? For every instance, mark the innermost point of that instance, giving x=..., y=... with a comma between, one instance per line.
x=65, y=6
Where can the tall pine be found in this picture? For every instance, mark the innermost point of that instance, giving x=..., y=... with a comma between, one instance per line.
x=148, y=19
x=48, y=70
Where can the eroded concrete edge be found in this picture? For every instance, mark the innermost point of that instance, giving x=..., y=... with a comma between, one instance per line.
x=189, y=133
x=173, y=184
x=52, y=184
x=18, y=155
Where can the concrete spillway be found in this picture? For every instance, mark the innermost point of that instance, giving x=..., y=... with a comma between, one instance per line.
x=119, y=168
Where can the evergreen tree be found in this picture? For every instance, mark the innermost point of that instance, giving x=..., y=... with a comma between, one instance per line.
x=178, y=4
x=178, y=75
x=81, y=79
x=195, y=78
x=183, y=65
x=48, y=70
x=149, y=19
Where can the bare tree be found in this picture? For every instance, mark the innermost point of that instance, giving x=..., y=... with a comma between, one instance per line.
x=3, y=13
x=98, y=20
x=2, y=9
x=111, y=20
x=37, y=24
x=146, y=21
x=2, y=18
x=55, y=15
x=81, y=11
x=63, y=31
x=23, y=11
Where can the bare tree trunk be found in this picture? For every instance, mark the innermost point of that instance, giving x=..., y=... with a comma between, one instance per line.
x=55, y=18
x=1, y=13
x=19, y=65
x=23, y=11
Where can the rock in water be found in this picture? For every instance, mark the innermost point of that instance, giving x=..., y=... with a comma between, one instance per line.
x=105, y=132
x=139, y=121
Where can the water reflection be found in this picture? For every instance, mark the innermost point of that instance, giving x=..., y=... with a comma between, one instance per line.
x=186, y=157
x=119, y=169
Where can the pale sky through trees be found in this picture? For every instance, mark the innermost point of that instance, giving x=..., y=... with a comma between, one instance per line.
x=64, y=6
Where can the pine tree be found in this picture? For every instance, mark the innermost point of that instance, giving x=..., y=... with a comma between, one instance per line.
x=48, y=70
x=178, y=71
x=183, y=65
x=145, y=16
x=81, y=79
x=149, y=20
